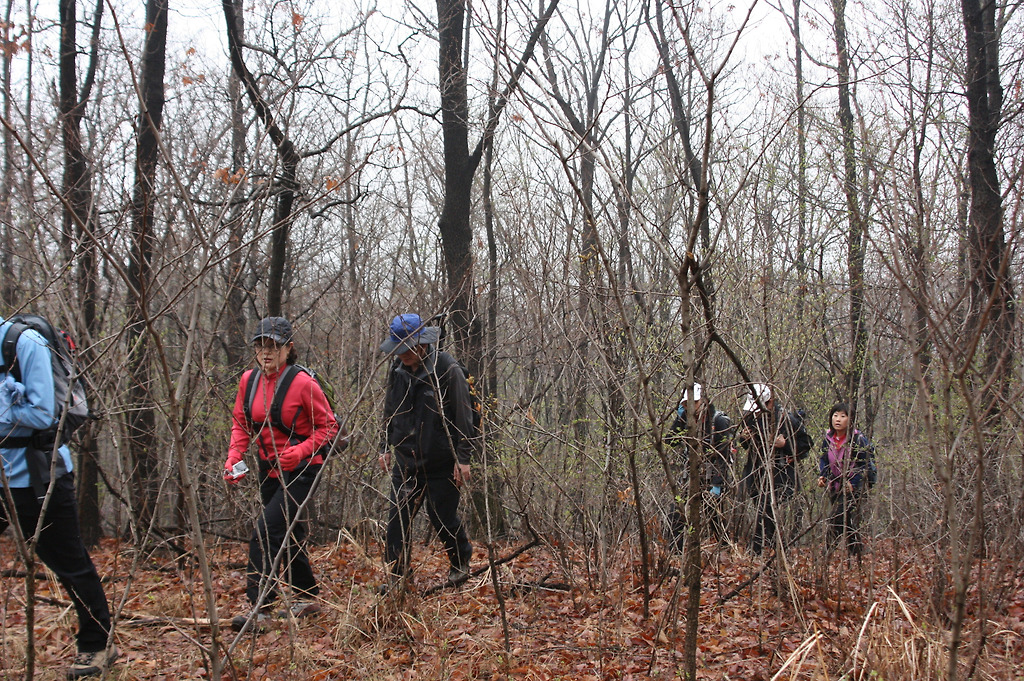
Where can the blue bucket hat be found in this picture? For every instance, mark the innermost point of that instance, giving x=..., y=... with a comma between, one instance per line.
x=406, y=332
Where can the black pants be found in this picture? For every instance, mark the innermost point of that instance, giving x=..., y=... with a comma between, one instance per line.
x=408, y=491
x=844, y=521
x=61, y=549
x=761, y=488
x=281, y=503
x=764, y=522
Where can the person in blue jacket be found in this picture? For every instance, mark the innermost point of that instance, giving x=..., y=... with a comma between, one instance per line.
x=28, y=412
x=846, y=469
x=775, y=439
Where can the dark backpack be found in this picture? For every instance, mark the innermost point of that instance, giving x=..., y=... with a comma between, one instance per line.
x=870, y=468
x=802, y=444
x=68, y=388
x=284, y=382
x=476, y=405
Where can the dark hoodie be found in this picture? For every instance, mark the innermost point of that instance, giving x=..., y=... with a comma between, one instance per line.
x=422, y=438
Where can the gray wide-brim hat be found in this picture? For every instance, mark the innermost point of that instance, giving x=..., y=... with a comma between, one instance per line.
x=406, y=332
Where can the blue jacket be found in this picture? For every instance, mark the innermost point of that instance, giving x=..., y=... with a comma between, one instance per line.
x=35, y=411
x=717, y=432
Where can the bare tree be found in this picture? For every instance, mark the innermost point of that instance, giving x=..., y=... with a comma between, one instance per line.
x=460, y=165
x=8, y=289
x=80, y=220
x=235, y=341
x=141, y=426
x=992, y=302
x=288, y=155
x=855, y=212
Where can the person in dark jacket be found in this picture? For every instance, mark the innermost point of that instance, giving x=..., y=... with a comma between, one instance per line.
x=289, y=461
x=428, y=425
x=774, y=439
x=845, y=469
x=28, y=421
x=714, y=429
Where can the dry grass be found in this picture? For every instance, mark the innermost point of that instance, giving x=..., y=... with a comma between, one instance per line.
x=891, y=644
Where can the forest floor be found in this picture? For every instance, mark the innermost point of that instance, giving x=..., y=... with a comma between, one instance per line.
x=565, y=618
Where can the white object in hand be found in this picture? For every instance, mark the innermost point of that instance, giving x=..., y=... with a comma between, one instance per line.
x=239, y=469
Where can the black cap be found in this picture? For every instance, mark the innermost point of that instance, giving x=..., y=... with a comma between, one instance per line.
x=277, y=329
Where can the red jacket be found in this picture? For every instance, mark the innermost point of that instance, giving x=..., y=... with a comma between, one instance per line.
x=304, y=405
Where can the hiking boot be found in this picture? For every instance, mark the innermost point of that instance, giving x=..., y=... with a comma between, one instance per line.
x=300, y=609
x=239, y=622
x=458, y=574
x=92, y=664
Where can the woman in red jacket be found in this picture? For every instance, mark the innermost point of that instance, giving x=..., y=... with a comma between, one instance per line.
x=282, y=408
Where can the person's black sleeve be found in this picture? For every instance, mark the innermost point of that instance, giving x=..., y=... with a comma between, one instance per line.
x=674, y=436
x=462, y=411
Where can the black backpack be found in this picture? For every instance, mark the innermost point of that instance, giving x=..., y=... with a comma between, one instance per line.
x=476, y=405
x=284, y=382
x=68, y=388
x=870, y=468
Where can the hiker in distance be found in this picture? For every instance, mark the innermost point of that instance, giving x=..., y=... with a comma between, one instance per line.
x=846, y=469
x=775, y=439
x=714, y=433
x=428, y=426
x=282, y=406
x=29, y=417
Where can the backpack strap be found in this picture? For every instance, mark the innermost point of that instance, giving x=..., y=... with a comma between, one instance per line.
x=10, y=349
x=250, y=396
x=284, y=382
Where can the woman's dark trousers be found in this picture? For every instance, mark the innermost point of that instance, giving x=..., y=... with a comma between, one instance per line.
x=280, y=505
x=61, y=549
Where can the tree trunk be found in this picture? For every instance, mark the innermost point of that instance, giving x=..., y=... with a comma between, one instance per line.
x=992, y=303
x=801, y=171
x=141, y=416
x=680, y=115
x=286, y=152
x=460, y=166
x=920, y=247
x=8, y=288
x=855, y=250
x=235, y=340
x=79, y=218
x=488, y=500
x=454, y=222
